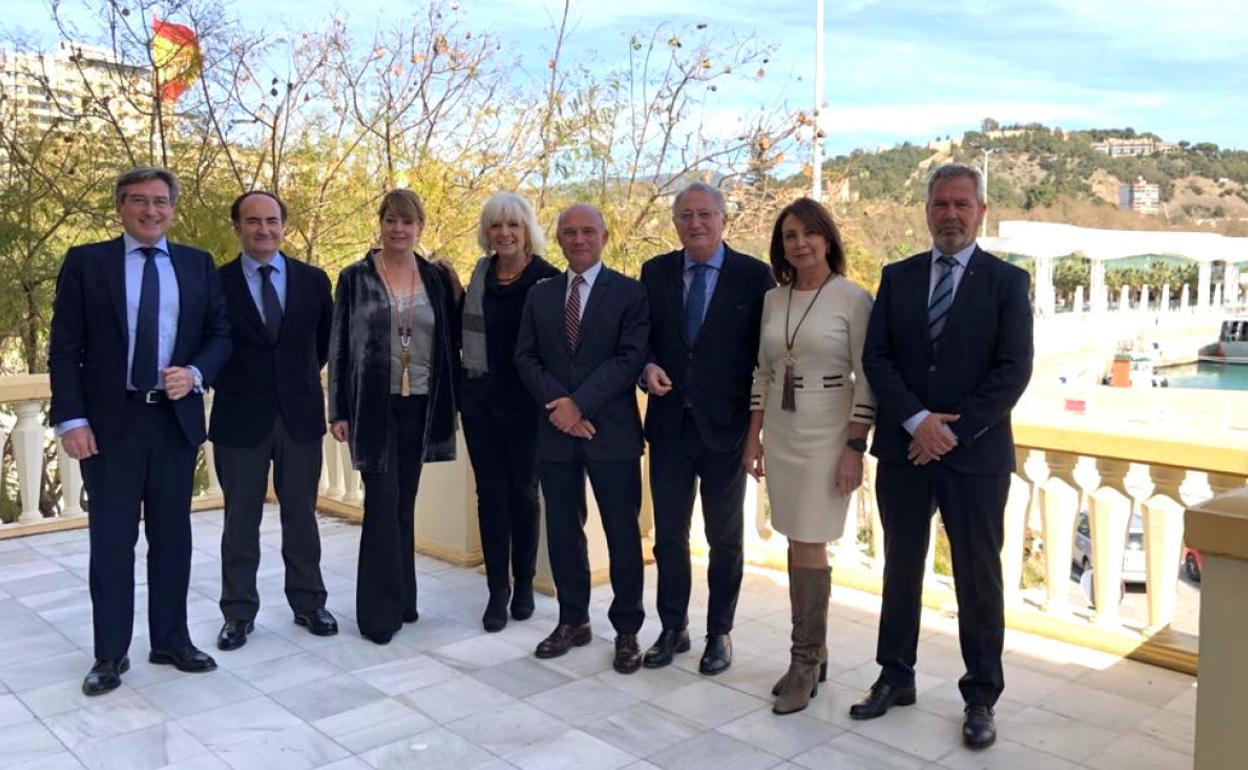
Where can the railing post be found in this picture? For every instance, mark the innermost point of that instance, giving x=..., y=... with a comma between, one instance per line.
x=1109, y=512
x=71, y=483
x=28, y=437
x=1059, y=502
x=1015, y=526
x=351, y=492
x=331, y=471
x=210, y=463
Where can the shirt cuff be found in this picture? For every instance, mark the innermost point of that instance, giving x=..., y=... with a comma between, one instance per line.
x=912, y=424
x=197, y=380
x=65, y=427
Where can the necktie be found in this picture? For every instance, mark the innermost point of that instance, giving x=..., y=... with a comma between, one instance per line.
x=268, y=300
x=942, y=299
x=695, y=303
x=572, y=313
x=146, y=328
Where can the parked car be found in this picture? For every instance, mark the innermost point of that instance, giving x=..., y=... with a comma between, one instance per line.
x=1133, y=564
x=1193, y=563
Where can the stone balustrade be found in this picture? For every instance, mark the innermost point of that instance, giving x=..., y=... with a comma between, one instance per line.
x=1108, y=460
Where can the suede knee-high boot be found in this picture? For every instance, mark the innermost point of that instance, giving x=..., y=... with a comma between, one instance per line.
x=809, y=589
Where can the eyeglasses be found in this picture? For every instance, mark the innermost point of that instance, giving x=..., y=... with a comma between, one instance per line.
x=142, y=202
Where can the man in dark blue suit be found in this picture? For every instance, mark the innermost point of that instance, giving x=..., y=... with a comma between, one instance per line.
x=948, y=354
x=269, y=410
x=139, y=329
x=581, y=347
x=706, y=305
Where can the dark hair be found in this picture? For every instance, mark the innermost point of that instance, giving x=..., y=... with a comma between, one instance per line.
x=236, y=207
x=145, y=174
x=405, y=204
x=812, y=214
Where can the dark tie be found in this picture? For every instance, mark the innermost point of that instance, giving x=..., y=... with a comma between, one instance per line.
x=572, y=313
x=268, y=300
x=695, y=303
x=942, y=299
x=146, y=328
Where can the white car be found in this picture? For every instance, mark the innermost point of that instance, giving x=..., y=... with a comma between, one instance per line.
x=1133, y=564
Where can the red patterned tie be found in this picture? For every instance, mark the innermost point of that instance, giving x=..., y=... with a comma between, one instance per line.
x=572, y=313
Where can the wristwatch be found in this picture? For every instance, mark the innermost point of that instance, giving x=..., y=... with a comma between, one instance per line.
x=857, y=444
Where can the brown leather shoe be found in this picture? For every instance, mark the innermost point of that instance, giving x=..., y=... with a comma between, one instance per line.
x=627, y=654
x=563, y=638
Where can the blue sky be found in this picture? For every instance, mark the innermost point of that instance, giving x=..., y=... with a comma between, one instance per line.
x=896, y=70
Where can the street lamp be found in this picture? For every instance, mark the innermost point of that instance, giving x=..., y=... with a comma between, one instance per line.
x=984, y=227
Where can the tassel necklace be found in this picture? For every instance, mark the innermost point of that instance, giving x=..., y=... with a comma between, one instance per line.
x=404, y=330
x=788, y=395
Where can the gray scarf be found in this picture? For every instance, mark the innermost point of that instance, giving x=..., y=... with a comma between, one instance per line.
x=476, y=363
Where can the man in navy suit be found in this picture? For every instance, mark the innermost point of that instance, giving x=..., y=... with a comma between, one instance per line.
x=581, y=347
x=139, y=329
x=948, y=354
x=269, y=409
x=706, y=305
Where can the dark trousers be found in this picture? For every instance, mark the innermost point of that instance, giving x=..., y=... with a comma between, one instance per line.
x=674, y=471
x=152, y=469
x=972, y=509
x=504, y=461
x=386, y=579
x=617, y=489
x=244, y=473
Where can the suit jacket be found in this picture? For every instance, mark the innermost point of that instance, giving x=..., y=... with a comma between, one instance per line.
x=600, y=375
x=979, y=371
x=264, y=379
x=89, y=336
x=716, y=370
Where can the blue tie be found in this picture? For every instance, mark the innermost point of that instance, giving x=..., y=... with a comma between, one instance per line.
x=942, y=299
x=143, y=367
x=272, y=305
x=695, y=303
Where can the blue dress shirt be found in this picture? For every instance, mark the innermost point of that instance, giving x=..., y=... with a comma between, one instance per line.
x=716, y=263
x=251, y=274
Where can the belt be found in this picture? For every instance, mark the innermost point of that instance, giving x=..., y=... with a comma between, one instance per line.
x=147, y=397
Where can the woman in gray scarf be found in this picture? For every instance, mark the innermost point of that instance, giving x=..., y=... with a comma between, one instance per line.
x=500, y=417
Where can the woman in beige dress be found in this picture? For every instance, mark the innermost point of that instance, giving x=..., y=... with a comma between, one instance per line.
x=814, y=408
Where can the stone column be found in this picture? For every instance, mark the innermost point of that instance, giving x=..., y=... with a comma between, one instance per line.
x=1099, y=298
x=1204, y=275
x=27, y=437
x=1163, y=541
x=1218, y=528
x=71, y=483
x=1059, y=502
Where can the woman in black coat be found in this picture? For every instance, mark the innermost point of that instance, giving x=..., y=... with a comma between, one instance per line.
x=391, y=397
x=500, y=416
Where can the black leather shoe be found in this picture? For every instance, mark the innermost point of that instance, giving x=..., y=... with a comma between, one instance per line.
x=564, y=638
x=495, y=617
x=627, y=654
x=105, y=676
x=522, y=601
x=979, y=731
x=718, y=654
x=669, y=642
x=187, y=659
x=318, y=621
x=234, y=634
x=879, y=699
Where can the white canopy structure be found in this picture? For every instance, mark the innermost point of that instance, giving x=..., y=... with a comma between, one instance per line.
x=1047, y=241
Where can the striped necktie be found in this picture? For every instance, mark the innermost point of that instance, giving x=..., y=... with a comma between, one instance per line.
x=572, y=313
x=942, y=299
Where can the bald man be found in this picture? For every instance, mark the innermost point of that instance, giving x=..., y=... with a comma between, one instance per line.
x=582, y=344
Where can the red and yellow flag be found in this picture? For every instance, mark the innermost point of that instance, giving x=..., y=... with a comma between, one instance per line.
x=175, y=50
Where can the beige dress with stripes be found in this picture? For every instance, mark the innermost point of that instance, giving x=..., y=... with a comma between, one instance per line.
x=801, y=449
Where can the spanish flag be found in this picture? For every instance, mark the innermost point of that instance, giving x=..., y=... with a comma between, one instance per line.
x=175, y=50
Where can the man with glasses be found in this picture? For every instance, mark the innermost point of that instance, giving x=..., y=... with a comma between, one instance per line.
x=139, y=329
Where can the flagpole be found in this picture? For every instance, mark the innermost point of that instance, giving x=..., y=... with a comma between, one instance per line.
x=817, y=164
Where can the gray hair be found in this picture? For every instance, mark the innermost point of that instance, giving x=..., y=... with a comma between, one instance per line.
x=143, y=174
x=701, y=187
x=955, y=170
x=508, y=206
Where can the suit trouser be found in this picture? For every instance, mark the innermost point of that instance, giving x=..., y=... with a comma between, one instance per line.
x=386, y=577
x=504, y=462
x=152, y=468
x=674, y=471
x=617, y=489
x=244, y=474
x=972, y=509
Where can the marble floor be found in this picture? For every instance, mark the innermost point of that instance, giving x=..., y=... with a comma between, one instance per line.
x=444, y=695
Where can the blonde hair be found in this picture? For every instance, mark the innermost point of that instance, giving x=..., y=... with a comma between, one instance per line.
x=508, y=206
x=403, y=203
